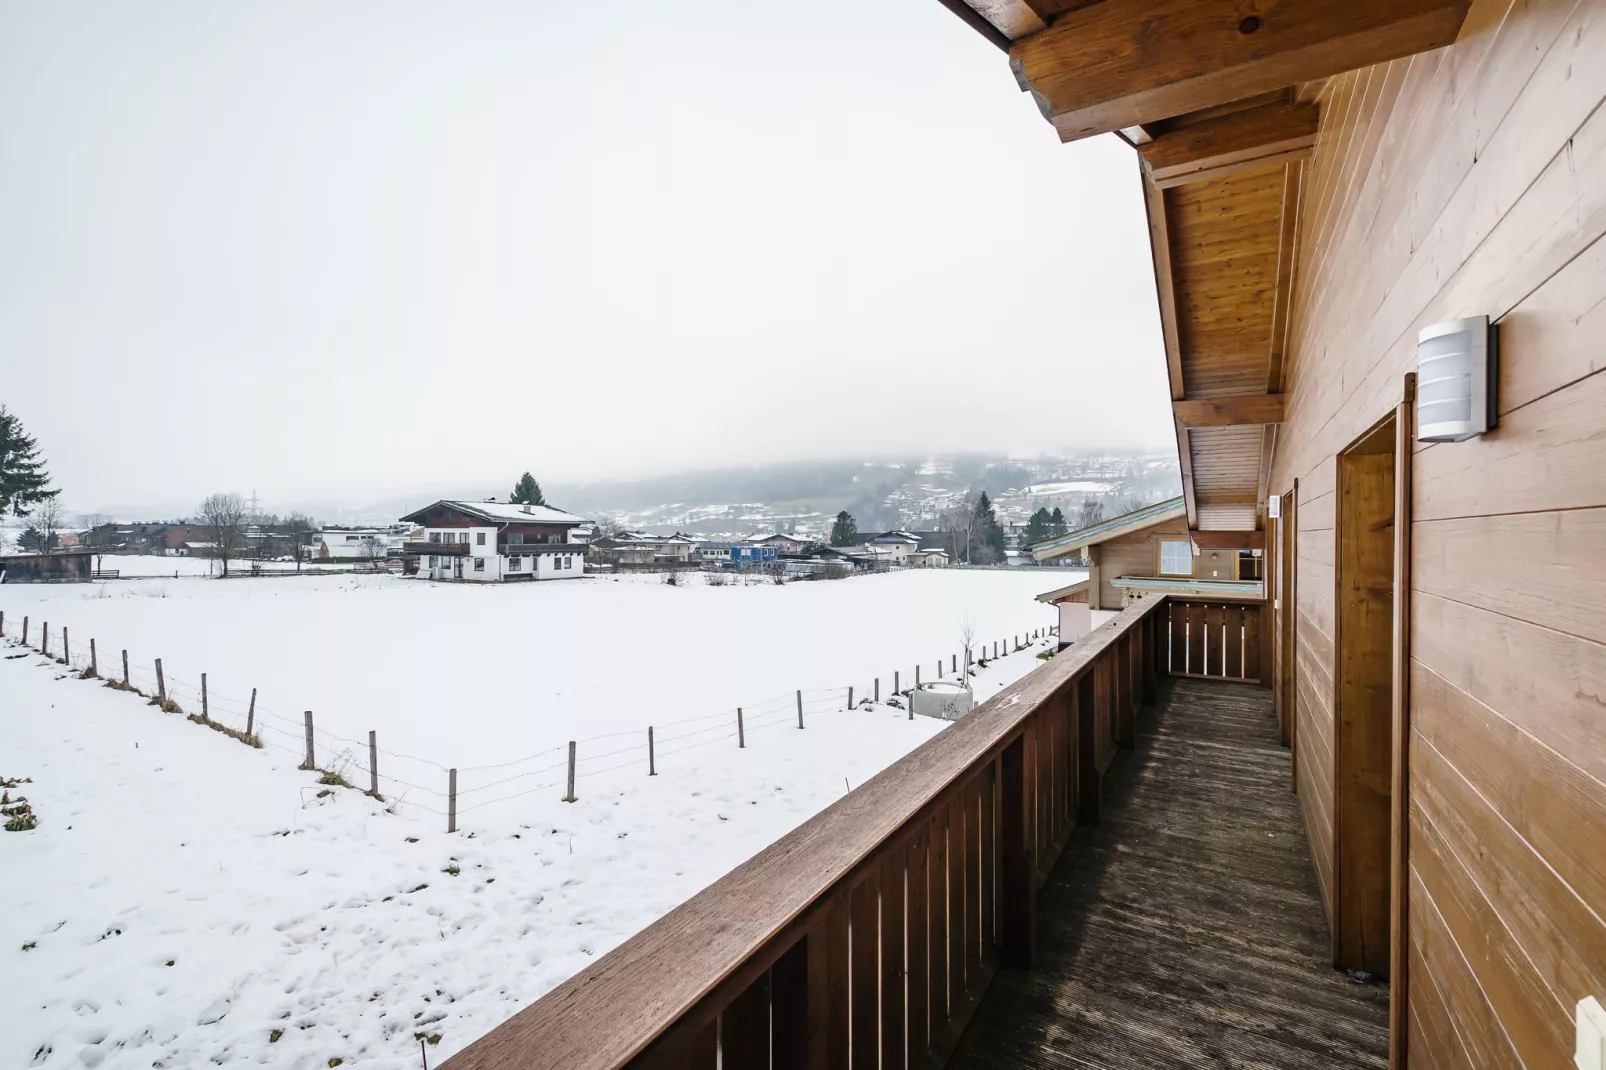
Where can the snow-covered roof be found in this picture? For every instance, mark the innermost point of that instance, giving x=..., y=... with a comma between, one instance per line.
x=505, y=512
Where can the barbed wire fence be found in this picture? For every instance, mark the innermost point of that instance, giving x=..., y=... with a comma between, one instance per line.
x=399, y=780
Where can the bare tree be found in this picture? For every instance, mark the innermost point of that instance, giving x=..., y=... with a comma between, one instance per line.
x=225, y=515
x=963, y=522
x=967, y=636
x=296, y=527
x=49, y=518
x=374, y=548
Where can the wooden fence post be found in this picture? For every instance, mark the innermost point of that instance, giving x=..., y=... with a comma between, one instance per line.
x=94, y=659
x=917, y=675
x=44, y=639
x=569, y=795
x=125, y=668
x=878, y=689
x=206, y=709
x=66, y=647
x=800, y=709
x=2, y=622
x=850, y=696
x=451, y=799
x=741, y=733
x=896, y=689
x=955, y=666
x=373, y=764
x=161, y=693
x=309, y=763
x=652, y=759
x=250, y=713
x=24, y=631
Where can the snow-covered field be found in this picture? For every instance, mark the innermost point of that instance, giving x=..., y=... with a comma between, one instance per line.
x=186, y=899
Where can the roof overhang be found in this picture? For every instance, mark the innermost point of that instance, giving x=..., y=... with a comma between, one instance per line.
x=1094, y=534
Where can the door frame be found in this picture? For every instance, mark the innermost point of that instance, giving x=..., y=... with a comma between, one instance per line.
x=1400, y=798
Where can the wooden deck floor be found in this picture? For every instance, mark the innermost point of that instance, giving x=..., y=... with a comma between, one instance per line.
x=1185, y=929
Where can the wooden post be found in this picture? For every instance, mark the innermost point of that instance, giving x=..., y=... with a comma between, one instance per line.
x=250, y=713
x=877, y=689
x=917, y=674
x=206, y=710
x=161, y=693
x=652, y=758
x=850, y=696
x=94, y=659
x=309, y=764
x=2, y=622
x=569, y=795
x=1016, y=904
x=895, y=682
x=800, y=709
x=24, y=631
x=373, y=764
x=66, y=647
x=125, y=668
x=44, y=639
x=741, y=733
x=955, y=667
x=451, y=799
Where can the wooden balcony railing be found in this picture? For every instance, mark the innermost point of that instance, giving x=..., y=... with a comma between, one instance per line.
x=1215, y=639
x=866, y=937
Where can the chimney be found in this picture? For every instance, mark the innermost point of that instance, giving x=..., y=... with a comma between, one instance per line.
x=526, y=508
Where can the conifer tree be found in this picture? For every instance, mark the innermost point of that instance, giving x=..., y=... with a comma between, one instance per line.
x=844, y=529
x=24, y=482
x=526, y=492
x=1056, y=523
x=1039, y=527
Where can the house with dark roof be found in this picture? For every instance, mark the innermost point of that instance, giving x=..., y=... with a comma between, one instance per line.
x=493, y=541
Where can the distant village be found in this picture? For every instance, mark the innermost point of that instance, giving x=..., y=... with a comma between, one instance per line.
x=519, y=538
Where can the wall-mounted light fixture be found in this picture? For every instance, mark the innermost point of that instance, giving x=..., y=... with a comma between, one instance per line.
x=1456, y=368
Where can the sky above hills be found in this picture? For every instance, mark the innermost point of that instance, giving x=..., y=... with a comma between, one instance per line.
x=364, y=248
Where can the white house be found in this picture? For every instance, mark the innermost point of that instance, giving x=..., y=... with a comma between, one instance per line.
x=900, y=546
x=929, y=558
x=492, y=541
x=356, y=544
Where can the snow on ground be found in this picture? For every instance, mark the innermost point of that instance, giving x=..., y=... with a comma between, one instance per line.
x=187, y=899
x=140, y=566
x=477, y=677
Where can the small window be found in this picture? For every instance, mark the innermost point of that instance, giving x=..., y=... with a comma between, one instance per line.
x=479, y=538
x=515, y=539
x=433, y=562
x=1176, y=557
x=1249, y=565
x=513, y=564
x=479, y=564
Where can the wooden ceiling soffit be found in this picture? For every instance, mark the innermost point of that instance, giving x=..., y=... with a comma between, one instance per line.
x=1112, y=66
x=1243, y=141
x=1225, y=412
x=1185, y=462
x=1165, y=290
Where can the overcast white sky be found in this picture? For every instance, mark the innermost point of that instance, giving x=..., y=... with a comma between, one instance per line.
x=326, y=250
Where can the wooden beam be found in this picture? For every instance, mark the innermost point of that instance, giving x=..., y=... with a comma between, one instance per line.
x=999, y=21
x=1282, y=297
x=1109, y=66
x=1242, y=141
x=1160, y=252
x=1225, y=412
x=1185, y=461
x=1230, y=540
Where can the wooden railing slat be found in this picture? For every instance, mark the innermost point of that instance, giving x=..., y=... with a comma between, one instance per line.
x=919, y=928
x=892, y=961
x=973, y=837
x=864, y=996
x=989, y=859
x=937, y=924
x=1234, y=616
x=744, y=1027
x=1254, y=624
x=790, y=1007
x=956, y=904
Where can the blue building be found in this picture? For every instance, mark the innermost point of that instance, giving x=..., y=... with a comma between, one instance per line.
x=747, y=553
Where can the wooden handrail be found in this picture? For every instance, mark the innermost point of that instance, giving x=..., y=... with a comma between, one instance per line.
x=767, y=943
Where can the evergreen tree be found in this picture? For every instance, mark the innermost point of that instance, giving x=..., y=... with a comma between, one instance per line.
x=35, y=541
x=987, y=533
x=24, y=482
x=526, y=492
x=1039, y=527
x=1056, y=524
x=844, y=529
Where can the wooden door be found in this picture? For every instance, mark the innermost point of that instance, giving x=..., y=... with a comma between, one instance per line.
x=1364, y=748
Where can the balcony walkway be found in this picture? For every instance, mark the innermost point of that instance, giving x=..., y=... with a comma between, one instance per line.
x=1185, y=929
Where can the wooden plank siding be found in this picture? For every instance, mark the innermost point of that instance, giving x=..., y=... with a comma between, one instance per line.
x=1470, y=180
